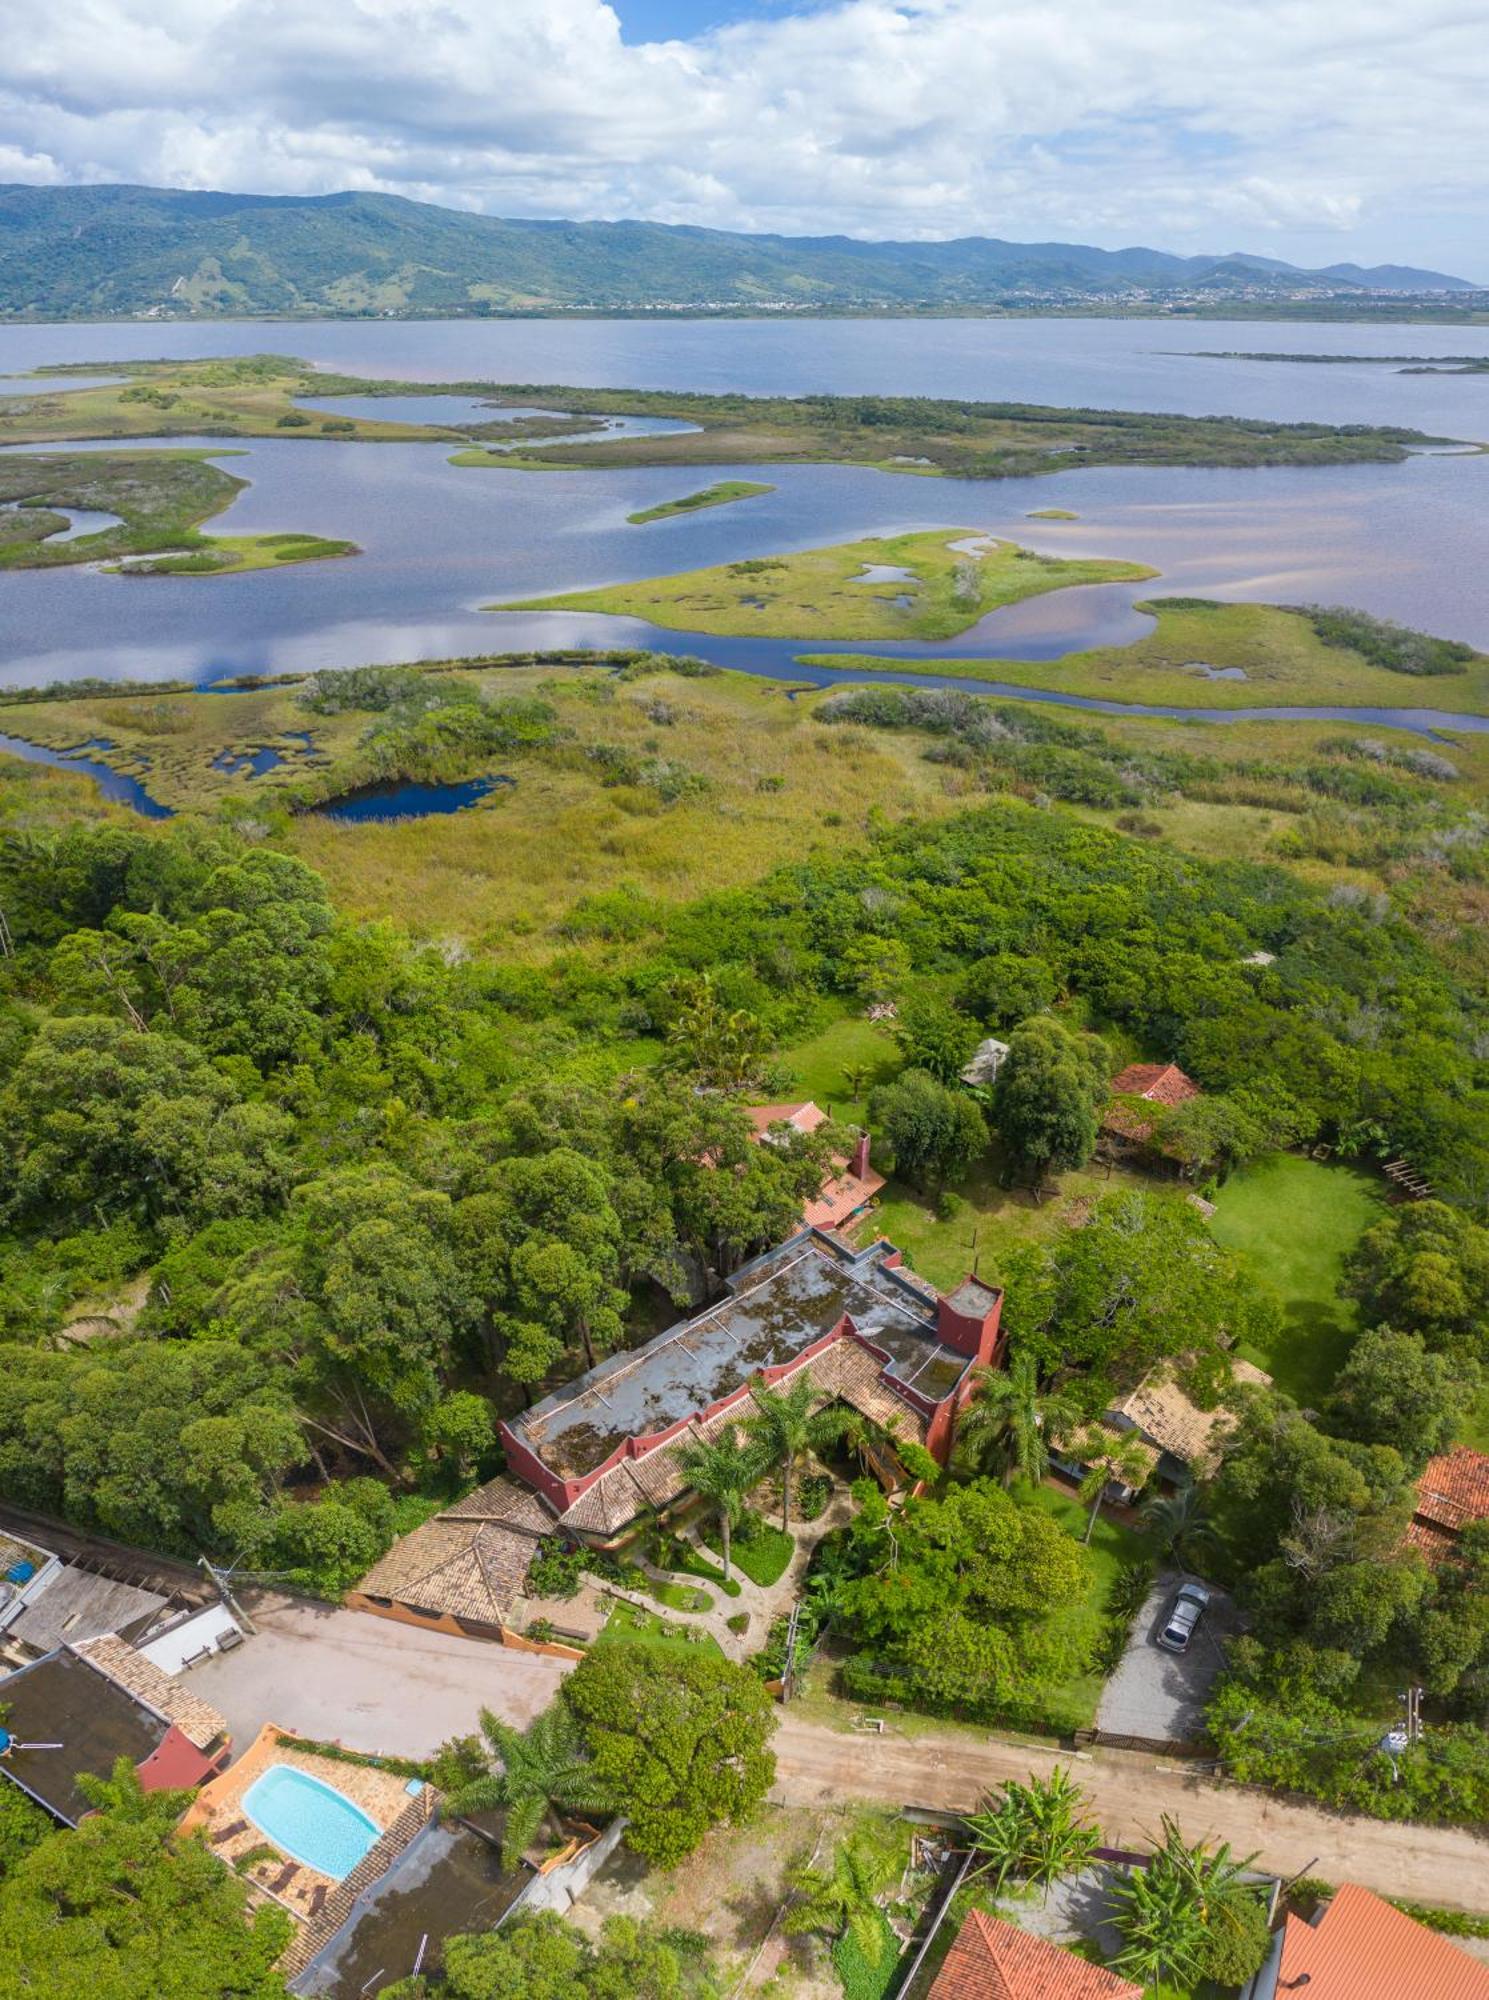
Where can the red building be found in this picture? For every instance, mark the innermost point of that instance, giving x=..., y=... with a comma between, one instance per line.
x=603, y=1450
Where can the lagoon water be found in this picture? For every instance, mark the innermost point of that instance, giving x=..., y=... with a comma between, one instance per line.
x=441, y=542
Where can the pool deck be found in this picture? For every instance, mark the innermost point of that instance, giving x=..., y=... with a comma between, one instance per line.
x=217, y=1813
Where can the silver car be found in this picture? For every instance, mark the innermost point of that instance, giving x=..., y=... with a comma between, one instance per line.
x=1191, y=1601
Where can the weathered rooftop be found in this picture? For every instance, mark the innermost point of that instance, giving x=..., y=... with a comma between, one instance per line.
x=780, y=1305
x=76, y=1605
x=63, y=1700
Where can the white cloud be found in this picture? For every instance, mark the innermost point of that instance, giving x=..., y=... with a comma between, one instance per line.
x=1306, y=127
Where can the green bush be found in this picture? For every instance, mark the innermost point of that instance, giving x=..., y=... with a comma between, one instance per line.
x=813, y=1496
x=864, y=1978
x=556, y=1571
x=738, y=1621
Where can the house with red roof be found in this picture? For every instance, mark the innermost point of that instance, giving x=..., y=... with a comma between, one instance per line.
x=1141, y=1094
x=1452, y=1493
x=848, y=1189
x=994, y=1960
x=1358, y=1947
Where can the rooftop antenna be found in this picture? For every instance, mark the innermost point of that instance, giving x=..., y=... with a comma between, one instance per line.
x=9, y=1743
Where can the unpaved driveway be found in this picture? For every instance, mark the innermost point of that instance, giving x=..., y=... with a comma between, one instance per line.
x=1441, y=1865
x=367, y=1682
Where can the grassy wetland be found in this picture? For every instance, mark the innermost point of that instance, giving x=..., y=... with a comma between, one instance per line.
x=720, y=495
x=260, y=396
x=916, y=586
x=1203, y=653
x=160, y=499
x=639, y=788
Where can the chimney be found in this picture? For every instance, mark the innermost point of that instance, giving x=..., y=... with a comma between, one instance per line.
x=859, y=1164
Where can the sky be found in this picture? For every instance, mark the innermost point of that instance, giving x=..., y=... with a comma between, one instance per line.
x=1314, y=130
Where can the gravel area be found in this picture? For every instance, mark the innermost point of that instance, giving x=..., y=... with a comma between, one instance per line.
x=1156, y=1696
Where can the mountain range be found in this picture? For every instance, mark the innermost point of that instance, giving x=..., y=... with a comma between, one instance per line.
x=80, y=252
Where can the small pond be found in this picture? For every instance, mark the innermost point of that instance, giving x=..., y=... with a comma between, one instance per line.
x=113, y=784
x=80, y=520
x=404, y=798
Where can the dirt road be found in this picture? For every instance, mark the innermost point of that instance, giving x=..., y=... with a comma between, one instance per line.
x=1129, y=1792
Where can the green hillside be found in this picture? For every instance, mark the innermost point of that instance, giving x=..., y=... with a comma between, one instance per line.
x=81, y=251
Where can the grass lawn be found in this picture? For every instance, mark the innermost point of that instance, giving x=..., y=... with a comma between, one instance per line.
x=1294, y=1221
x=760, y=1551
x=1112, y=1548
x=991, y=1221
x=917, y=586
x=629, y=1625
x=819, y=1067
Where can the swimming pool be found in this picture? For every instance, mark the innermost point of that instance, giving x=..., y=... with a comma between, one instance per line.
x=308, y=1820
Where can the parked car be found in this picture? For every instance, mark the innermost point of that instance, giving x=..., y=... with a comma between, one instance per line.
x=1191, y=1601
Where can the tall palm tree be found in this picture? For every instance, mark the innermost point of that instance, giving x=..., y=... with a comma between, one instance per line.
x=723, y=1472
x=783, y=1425
x=1177, y=1522
x=844, y=1897
x=542, y=1770
x=1113, y=1458
x=1035, y=1832
x=1011, y=1420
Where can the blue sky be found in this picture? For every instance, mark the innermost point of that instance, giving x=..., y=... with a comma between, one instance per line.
x=1312, y=130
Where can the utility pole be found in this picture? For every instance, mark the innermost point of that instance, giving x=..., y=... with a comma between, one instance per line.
x=222, y=1579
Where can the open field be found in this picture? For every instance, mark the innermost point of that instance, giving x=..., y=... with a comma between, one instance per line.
x=1294, y=1221
x=1281, y=659
x=918, y=586
x=720, y=495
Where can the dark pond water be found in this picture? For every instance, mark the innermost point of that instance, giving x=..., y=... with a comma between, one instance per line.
x=407, y=800
x=113, y=784
x=253, y=762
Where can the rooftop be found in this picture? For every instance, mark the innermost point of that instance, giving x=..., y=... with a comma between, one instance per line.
x=197, y=1720
x=471, y=1560
x=1453, y=1491
x=1360, y=1948
x=75, y=1604
x=1160, y=1084
x=449, y=1881
x=779, y=1306
x=1165, y=1415
x=64, y=1700
x=993, y=1960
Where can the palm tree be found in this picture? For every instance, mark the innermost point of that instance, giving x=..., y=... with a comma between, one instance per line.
x=1009, y=1418
x=542, y=1770
x=723, y=1472
x=1185, y=1902
x=784, y=1427
x=1176, y=1521
x=1114, y=1458
x=844, y=1898
x=1035, y=1832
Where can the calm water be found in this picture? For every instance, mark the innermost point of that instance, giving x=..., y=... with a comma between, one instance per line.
x=441, y=543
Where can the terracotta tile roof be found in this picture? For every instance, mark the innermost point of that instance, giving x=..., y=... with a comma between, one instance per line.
x=841, y=1197
x=993, y=1960
x=1159, y=1408
x=463, y=1568
x=506, y=1502
x=1159, y=1083
x=1454, y=1490
x=1163, y=1084
x=806, y=1117
x=1363, y=1949
x=197, y=1720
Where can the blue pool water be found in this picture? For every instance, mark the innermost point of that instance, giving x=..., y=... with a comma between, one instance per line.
x=309, y=1821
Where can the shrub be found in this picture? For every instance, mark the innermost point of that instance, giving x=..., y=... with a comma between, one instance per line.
x=863, y=1978
x=813, y=1496
x=738, y=1621
x=1384, y=644
x=556, y=1571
